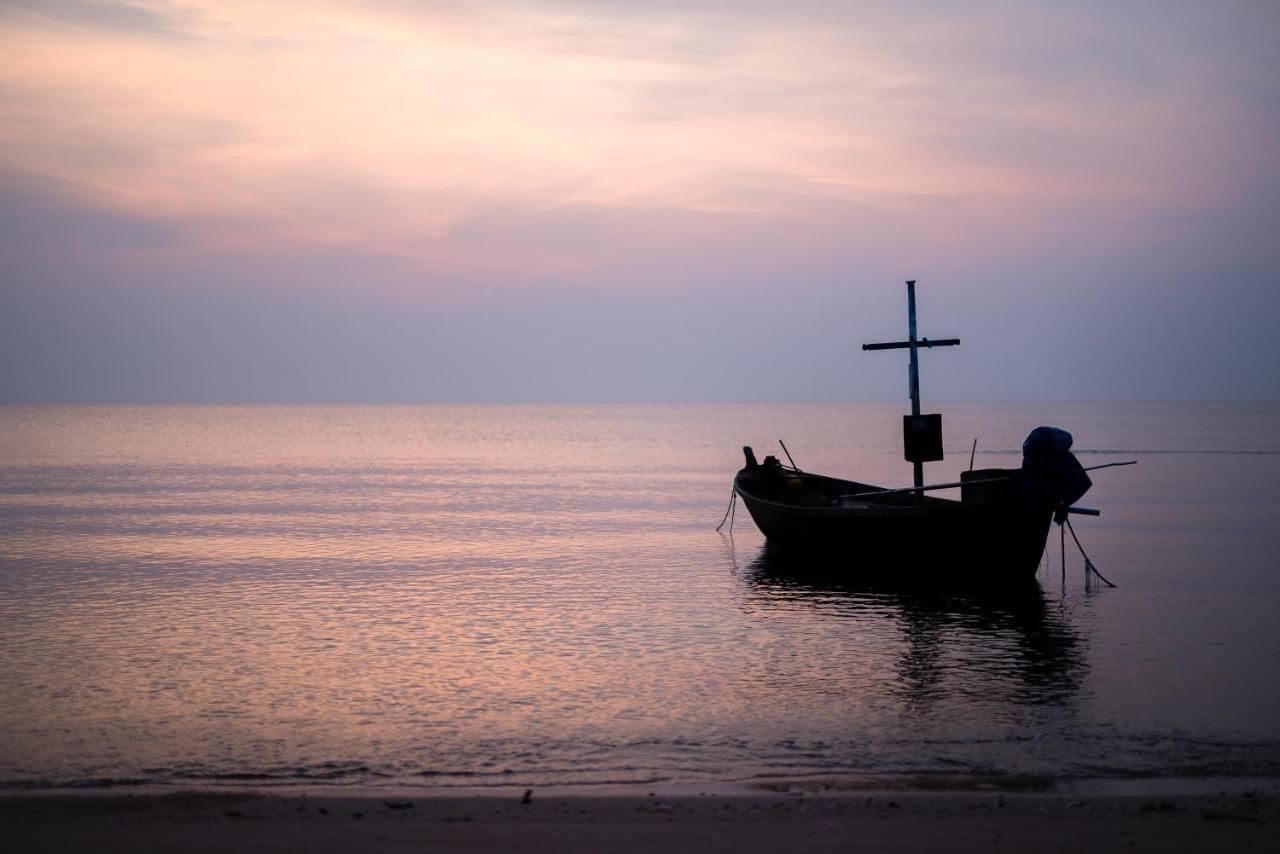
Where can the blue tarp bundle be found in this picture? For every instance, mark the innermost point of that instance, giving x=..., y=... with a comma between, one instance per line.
x=1052, y=478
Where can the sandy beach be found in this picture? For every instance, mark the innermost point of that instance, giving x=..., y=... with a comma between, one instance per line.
x=906, y=822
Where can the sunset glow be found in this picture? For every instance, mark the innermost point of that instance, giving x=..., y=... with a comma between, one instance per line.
x=533, y=150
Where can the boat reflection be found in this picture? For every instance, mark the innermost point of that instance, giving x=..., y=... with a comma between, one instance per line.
x=1005, y=645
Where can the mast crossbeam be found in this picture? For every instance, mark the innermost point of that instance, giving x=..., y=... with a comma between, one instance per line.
x=923, y=342
x=923, y=424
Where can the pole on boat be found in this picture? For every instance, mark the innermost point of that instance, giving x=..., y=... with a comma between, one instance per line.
x=1001, y=479
x=917, y=466
x=921, y=434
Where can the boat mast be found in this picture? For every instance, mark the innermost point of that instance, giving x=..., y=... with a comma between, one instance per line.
x=911, y=340
x=921, y=434
x=917, y=466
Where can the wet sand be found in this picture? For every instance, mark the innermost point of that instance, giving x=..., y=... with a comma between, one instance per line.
x=893, y=822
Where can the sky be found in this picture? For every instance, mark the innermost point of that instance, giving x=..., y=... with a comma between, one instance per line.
x=387, y=201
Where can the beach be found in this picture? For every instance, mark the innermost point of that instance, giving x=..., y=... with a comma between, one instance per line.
x=880, y=821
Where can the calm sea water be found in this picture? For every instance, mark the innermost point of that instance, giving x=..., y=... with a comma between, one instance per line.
x=475, y=596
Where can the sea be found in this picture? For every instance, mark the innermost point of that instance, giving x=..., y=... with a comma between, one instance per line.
x=476, y=597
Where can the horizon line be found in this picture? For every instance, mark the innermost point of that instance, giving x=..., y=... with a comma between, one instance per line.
x=537, y=403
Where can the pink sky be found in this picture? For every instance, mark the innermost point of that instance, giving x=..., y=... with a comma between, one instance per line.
x=482, y=157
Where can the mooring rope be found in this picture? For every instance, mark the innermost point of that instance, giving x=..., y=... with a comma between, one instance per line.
x=1062, y=543
x=1088, y=564
x=730, y=511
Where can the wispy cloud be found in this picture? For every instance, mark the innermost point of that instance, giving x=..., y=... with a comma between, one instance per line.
x=111, y=17
x=536, y=152
x=393, y=124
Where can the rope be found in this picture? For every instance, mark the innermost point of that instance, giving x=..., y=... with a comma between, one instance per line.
x=1088, y=564
x=1062, y=542
x=733, y=503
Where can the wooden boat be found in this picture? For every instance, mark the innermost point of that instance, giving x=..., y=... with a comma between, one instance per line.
x=996, y=530
x=989, y=529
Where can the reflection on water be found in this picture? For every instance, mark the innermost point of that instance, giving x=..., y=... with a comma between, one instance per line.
x=955, y=638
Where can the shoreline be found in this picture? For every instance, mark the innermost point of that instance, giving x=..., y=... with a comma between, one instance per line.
x=821, y=820
x=817, y=785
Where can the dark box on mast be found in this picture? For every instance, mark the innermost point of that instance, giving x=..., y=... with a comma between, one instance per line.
x=922, y=438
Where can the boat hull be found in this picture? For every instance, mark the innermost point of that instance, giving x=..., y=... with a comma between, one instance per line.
x=900, y=535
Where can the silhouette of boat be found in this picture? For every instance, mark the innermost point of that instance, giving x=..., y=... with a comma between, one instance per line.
x=995, y=531
x=991, y=526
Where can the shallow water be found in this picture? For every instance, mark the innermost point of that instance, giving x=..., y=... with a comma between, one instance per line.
x=500, y=595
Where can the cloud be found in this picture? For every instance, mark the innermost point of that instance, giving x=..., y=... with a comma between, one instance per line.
x=112, y=17
x=45, y=224
x=230, y=167
x=391, y=125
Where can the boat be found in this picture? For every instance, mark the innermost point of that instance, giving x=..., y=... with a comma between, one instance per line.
x=996, y=530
